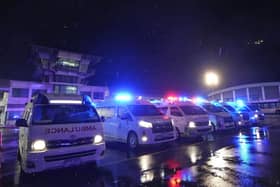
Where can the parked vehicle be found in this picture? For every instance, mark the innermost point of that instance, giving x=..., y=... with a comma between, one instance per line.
x=189, y=119
x=59, y=131
x=135, y=122
x=219, y=117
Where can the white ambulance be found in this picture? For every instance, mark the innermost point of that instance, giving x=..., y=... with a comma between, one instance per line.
x=59, y=131
x=135, y=122
x=189, y=119
x=219, y=117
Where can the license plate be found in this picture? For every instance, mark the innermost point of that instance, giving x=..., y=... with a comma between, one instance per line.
x=72, y=162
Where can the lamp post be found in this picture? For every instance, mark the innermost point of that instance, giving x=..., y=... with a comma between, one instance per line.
x=211, y=80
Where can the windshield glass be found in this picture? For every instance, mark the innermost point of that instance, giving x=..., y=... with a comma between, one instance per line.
x=57, y=114
x=192, y=110
x=230, y=108
x=144, y=110
x=213, y=108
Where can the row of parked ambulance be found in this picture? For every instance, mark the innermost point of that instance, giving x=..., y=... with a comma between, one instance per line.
x=148, y=121
x=61, y=131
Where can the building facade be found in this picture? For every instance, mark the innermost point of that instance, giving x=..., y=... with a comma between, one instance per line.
x=59, y=72
x=266, y=94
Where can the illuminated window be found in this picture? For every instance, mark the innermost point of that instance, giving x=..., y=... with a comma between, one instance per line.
x=20, y=92
x=13, y=115
x=63, y=89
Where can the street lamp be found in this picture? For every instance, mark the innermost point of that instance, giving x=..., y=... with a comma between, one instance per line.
x=211, y=79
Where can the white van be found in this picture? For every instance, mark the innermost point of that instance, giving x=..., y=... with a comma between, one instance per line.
x=59, y=131
x=135, y=122
x=190, y=120
x=219, y=117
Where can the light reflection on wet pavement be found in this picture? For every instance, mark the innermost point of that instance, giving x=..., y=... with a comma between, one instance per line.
x=247, y=157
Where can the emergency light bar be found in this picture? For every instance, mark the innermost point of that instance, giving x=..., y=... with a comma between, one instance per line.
x=65, y=102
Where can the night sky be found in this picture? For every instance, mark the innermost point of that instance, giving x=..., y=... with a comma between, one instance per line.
x=150, y=47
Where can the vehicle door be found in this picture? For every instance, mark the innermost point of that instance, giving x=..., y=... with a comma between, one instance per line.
x=125, y=124
x=178, y=118
x=110, y=120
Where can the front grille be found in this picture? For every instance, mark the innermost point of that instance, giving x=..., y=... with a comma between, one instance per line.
x=246, y=116
x=68, y=143
x=228, y=119
x=70, y=155
x=202, y=124
x=164, y=138
x=162, y=127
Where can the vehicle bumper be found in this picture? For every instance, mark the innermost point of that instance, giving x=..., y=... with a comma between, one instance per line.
x=62, y=157
x=198, y=131
x=155, y=138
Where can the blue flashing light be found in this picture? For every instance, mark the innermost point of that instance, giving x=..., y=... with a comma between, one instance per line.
x=184, y=99
x=123, y=97
x=15, y=116
x=240, y=103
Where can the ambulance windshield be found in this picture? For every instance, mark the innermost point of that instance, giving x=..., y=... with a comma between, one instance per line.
x=144, y=110
x=65, y=113
x=192, y=110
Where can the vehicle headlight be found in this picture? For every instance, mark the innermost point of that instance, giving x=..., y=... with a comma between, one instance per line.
x=145, y=124
x=192, y=124
x=97, y=139
x=38, y=145
x=256, y=116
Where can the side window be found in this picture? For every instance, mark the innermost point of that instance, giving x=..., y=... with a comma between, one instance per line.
x=163, y=110
x=174, y=111
x=123, y=114
x=107, y=112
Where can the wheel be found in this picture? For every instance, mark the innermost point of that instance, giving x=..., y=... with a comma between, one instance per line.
x=132, y=140
x=178, y=135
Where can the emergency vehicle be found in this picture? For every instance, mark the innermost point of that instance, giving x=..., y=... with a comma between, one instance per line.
x=59, y=131
x=135, y=122
x=219, y=117
x=189, y=119
x=239, y=119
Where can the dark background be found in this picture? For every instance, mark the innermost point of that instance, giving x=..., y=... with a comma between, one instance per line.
x=150, y=47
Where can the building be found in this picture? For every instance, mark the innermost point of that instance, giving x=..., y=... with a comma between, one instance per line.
x=266, y=94
x=59, y=72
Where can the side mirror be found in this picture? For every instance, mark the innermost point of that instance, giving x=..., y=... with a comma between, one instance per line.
x=21, y=123
x=102, y=118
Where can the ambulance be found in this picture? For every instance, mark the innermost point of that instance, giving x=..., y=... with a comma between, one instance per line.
x=59, y=131
x=219, y=117
x=189, y=119
x=134, y=122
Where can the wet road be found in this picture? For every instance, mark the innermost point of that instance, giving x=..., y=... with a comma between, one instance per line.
x=247, y=157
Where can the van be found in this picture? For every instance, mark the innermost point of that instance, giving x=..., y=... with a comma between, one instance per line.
x=59, y=131
x=219, y=117
x=135, y=122
x=189, y=119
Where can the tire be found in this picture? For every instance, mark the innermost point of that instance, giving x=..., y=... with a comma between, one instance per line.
x=132, y=141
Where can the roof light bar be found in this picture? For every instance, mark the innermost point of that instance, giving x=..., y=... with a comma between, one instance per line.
x=123, y=97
